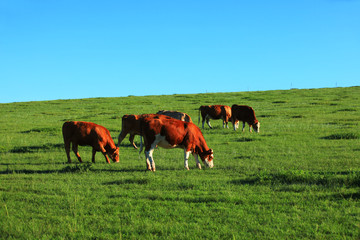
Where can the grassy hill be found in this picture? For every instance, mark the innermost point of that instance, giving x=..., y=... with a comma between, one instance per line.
x=298, y=178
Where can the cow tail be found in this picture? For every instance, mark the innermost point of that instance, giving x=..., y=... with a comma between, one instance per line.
x=141, y=145
x=141, y=133
x=199, y=117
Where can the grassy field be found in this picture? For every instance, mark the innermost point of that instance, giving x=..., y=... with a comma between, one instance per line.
x=298, y=178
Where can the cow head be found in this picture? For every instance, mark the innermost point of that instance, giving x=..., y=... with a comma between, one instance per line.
x=207, y=158
x=114, y=154
x=256, y=126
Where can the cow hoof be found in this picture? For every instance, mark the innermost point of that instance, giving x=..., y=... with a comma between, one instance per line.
x=187, y=168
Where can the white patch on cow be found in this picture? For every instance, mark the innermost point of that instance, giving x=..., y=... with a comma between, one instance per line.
x=161, y=142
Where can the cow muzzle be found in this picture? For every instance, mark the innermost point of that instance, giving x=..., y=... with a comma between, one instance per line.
x=208, y=163
x=256, y=127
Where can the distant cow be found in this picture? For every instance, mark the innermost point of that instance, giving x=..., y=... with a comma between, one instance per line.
x=174, y=114
x=245, y=114
x=90, y=134
x=215, y=112
x=131, y=124
x=173, y=133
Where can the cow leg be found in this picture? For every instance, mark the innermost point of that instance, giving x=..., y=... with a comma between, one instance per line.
x=197, y=160
x=203, y=122
x=224, y=124
x=149, y=149
x=148, y=165
x=120, y=138
x=186, y=159
x=104, y=153
x=67, y=150
x=208, y=122
x=75, y=150
x=243, y=126
x=149, y=154
x=150, y=160
x=93, y=155
x=131, y=139
x=227, y=119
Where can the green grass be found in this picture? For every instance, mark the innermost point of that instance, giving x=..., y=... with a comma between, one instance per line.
x=298, y=178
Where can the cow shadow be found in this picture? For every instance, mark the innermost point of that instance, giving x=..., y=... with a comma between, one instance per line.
x=32, y=149
x=26, y=171
x=68, y=168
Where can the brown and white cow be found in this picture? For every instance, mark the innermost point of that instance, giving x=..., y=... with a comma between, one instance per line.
x=131, y=124
x=245, y=114
x=175, y=114
x=215, y=112
x=173, y=133
x=89, y=134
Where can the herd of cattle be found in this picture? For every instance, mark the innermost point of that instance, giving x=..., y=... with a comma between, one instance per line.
x=167, y=129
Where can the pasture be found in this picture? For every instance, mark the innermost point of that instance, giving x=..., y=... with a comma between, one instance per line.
x=298, y=178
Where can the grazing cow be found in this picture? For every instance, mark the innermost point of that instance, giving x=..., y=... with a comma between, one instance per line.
x=131, y=124
x=215, y=112
x=177, y=115
x=173, y=133
x=245, y=114
x=90, y=134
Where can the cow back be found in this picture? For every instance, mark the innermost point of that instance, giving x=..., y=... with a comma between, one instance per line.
x=243, y=113
x=175, y=114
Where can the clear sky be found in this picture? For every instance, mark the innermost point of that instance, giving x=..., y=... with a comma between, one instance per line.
x=81, y=48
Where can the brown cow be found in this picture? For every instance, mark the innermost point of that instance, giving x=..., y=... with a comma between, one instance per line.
x=173, y=133
x=131, y=124
x=90, y=134
x=215, y=112
x=175, y=114
x=245, y=114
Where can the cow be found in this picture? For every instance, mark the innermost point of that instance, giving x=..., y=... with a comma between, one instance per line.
x=173, y=133
x=245, y=114
x=89, y=134
x=175, y=114
x=131, y=124
x=215, y=112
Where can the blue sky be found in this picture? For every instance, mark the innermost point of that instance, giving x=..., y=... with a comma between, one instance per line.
x=80, y=49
